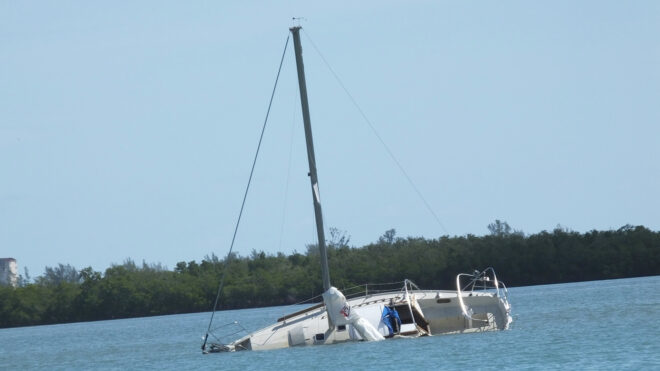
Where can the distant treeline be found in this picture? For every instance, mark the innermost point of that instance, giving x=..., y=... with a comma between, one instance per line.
x=64, y=294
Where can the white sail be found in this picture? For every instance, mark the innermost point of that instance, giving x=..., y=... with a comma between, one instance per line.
x=340, y=313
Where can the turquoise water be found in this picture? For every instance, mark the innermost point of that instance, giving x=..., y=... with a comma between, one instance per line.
x=611, y=324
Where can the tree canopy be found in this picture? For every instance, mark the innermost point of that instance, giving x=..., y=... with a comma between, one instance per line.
x=64, y=294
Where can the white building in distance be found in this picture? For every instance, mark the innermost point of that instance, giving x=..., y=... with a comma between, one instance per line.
x=8, y=272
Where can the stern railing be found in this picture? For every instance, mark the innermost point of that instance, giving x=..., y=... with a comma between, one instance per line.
x=485, y=280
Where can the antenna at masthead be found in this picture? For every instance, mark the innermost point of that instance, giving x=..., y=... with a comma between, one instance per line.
x=297, y=21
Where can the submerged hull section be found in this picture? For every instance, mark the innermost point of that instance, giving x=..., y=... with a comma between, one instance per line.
x=421, y=313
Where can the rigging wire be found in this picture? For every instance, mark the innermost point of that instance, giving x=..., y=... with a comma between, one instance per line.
x=373, y=128
x=247, y=188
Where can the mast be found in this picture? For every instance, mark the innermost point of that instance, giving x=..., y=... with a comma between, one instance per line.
x=310, y=156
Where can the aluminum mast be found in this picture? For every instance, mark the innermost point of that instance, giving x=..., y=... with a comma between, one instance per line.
x=310, y=156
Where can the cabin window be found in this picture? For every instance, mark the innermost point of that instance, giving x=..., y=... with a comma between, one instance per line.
x=341, y=328
x=443, y=301
x=319, y=337
x=404, y=313
x=407, y=317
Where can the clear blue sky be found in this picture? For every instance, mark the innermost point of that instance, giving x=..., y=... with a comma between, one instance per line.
x=127, y=129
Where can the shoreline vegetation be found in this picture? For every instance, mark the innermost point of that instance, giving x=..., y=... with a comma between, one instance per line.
x=64, y=294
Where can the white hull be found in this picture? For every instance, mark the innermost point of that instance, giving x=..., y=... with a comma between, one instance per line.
x=434, y=312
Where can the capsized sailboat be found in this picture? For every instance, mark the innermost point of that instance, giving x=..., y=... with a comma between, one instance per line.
x=479, y=303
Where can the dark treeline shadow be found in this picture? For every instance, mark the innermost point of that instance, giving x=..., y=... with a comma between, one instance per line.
x=64, y=294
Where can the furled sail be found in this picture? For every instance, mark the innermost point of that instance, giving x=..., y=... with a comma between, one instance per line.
x=340, y=313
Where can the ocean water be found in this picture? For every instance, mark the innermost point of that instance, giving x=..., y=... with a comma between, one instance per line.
x=613, y=324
